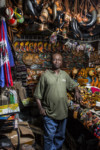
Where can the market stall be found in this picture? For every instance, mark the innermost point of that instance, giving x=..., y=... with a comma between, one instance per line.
x=30, y=33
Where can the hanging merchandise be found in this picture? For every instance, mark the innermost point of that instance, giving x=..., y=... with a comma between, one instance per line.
x=13, y=96
x=98, y=14
x=14, y=16
x=11, y=60
x=9, y=101
x=5, y=70
x=53, y=37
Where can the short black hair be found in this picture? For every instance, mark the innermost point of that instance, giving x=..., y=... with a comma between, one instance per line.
x=54, y=54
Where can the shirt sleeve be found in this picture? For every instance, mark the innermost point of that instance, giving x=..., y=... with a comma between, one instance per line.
x=39, y=91
x=71, y=84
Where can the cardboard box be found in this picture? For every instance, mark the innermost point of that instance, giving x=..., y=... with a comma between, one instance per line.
x=26, y=135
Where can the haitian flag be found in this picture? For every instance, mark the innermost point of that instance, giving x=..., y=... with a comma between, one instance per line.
x=5, y=70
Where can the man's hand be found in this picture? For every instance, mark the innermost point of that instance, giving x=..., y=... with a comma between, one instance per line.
x=42, y=111
x=78, y=97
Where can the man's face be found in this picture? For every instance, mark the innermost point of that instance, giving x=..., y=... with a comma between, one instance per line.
x=57, y=61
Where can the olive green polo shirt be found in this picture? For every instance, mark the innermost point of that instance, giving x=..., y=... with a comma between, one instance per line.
x=52, y=91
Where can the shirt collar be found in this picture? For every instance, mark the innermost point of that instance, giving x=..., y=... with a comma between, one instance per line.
x=52, y=71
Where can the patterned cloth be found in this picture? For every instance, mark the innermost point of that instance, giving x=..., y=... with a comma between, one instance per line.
x=10, y=55
x=5, y=70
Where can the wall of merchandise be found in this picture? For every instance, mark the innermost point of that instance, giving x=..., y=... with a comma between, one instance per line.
x=33, y=57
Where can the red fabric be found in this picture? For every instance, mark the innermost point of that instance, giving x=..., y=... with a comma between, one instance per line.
x=94, y=89
x=4, y=54
x=5, y=72
x=11, y=81
x=6, y=64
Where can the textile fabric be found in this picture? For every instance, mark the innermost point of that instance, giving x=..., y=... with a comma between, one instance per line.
x=5, y=69
x=54, y=133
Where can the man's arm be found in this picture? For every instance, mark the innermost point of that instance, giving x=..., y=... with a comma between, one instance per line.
x=41, y=109
x=76, y=89
x=38, y=94
x=72, y=85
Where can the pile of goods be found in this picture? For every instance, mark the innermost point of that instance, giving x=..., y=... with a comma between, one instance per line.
x=87, y=111
x=89, y=99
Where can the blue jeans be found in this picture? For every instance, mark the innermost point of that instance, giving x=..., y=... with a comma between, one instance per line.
x=54, y=133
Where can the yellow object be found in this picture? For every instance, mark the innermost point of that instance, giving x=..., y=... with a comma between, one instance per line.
x=92, y=83
x=96, y=83
x=75, y=114
x=82, y=81
x=99, y=84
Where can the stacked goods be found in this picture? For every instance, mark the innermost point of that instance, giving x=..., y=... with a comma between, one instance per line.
x=89, y=99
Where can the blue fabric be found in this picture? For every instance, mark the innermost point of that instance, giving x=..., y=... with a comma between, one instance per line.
x=2, y=76
x=54, y=133
x=5, y=56
x=11, y=60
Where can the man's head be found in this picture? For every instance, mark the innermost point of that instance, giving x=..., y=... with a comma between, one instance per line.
x=57, y=61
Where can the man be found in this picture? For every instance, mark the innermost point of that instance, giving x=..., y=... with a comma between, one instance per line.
x=51, y=98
